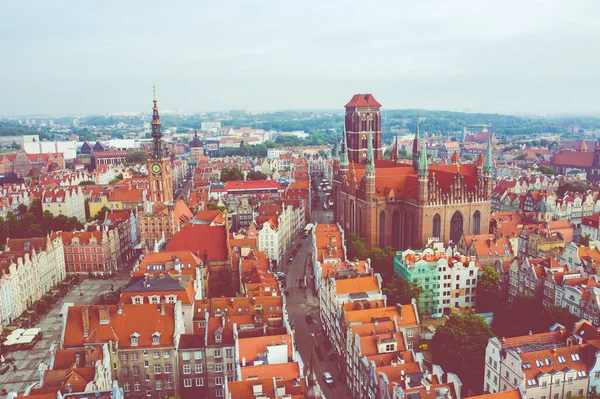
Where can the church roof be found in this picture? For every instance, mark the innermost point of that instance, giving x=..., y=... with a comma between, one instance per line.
x=363, y=100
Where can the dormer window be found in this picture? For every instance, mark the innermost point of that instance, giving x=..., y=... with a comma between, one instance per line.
x=154, y=299
x=156, y=338
x=218, y=336
x=134, y=339
x=171, y=298
x=137, y=300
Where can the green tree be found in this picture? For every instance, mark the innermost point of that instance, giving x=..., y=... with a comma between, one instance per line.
x=584, y=240
x=459, y=347
x=136, y=157
x=400, y=289
x=117, y=179
x=547, y=170
x=231, y=174
x=87, y=183
x=256, y=175
x=489, y=296
x=357, y=247
x=101, y=215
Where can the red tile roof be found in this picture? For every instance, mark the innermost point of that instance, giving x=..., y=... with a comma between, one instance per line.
x=573, y=158
x=141, y=319
x=363, y=100
x=199, y=238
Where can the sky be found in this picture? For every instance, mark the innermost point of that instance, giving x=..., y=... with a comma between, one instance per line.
x=509, y=56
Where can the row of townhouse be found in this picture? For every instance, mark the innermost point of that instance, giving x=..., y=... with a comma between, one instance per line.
x=31, y=267
x=374, y=342
x=86, y=372
x=95, y=252
x=277, y=223
x=553, y=284
x=13, y=195
x=551, y=365
x=448, y=280
x=69, y=202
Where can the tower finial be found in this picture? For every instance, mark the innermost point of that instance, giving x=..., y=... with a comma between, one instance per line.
x=344, y=155
x=370, y=168
x=154, y=90
x=423, y=158
x=487, y=166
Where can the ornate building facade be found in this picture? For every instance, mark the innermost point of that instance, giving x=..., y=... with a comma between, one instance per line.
x=406, y=205
x=158, y=222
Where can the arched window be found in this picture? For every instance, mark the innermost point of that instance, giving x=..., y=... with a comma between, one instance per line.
x=382, y=229
x=477, y=222
x=456, y=227
x=437, y=227
x=359, y=225
x=396, y=230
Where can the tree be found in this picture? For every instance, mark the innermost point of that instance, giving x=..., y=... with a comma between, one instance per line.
x=256, y=175
x=400, y=289
x=87, y=183
x=231, y=174
x=459, y=347
x=117, y=179
x=357, y=247
x=136, y=157
x=101, y=215
x=584, y=240
x=547, y=170
x=489, y=296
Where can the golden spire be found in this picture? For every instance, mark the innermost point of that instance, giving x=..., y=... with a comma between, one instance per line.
x=154, y=90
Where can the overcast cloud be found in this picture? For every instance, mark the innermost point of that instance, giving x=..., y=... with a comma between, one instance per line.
x=509, y=56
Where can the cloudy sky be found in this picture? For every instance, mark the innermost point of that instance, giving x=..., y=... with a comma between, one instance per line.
x=509, y=56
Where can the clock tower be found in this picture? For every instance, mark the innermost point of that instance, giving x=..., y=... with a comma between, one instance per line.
x=159, y=163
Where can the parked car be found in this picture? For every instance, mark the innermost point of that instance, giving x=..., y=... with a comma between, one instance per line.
x=328, y=378
x=291, y=258
x=280, y=276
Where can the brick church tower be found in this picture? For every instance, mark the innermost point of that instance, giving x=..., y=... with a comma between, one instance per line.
x=362, y=117
x=159, y=163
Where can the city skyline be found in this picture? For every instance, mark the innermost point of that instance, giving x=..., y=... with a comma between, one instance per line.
x=68, y=58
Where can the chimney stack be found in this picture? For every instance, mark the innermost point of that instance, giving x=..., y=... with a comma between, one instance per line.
x=85, y=317
x=163, y=307
x=399, y=309
x=104, y=315
x=120, y=305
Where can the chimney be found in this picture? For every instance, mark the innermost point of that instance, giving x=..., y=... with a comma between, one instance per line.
x=163, y=307
x=104, y=315
x=530, y=333
x=85, y=317
x=399, y=309
x=120, y=310
x=243, y=361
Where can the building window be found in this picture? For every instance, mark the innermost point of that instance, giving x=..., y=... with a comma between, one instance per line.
x=187, y=382
x=197, y=355
x=157, y=369
x=229, y=366
x=134, y=356
x=136, y=386
x=149, y=393
x=219, y=381
x=198, y=369
x=155, y=339
x=185, y=355
x=123, y=357
x=229, y=352
x=158, y=385
x=219, y=393
x=168, y=384
x=217, y=353
x=199, y=382
x=410, y=333
x=156, y=355
x=136, y=370
x=145, y=363
x=126, y=387
x=167, y=369
x=218, y=368
x=187, y=369
x=167, y=354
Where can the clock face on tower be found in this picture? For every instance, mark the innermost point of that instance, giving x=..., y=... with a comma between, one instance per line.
x=155, y=168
